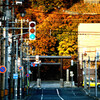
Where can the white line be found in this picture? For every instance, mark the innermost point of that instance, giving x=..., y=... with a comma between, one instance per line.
x=59, y=95
x=42, y=95
x=74, y=93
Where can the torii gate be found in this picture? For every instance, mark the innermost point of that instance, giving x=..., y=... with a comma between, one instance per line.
x=51, y=57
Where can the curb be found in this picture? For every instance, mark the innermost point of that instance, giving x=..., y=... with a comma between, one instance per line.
x=96, y=98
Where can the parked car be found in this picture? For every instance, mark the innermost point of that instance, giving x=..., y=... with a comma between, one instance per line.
x=92, y=83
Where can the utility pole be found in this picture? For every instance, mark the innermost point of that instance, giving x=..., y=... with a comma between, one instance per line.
x=16, y=69
x=21, y=59
x=6, y=51
x=2, y=63
x=12, y=54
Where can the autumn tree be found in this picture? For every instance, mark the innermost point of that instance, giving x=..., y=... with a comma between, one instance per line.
x=44, y=44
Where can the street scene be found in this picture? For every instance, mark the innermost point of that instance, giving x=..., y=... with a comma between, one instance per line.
x=49, y=50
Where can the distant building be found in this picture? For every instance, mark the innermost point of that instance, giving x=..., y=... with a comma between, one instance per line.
x=88, y=43
x=92, y=1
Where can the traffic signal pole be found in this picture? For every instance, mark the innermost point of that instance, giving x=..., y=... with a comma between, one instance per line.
x=27, y=69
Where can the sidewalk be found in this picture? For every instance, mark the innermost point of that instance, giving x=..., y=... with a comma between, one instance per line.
x=92, y=93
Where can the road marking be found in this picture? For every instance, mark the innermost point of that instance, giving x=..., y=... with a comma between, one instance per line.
x=42, y=95
x=59, y=95
x=73, y=93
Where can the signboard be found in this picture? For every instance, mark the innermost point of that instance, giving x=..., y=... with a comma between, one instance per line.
x=30, y=72
x=15, y=76
x=38, y=62
x=20, y=67
x=2, y=69
x=27, y=75
x=33, y=64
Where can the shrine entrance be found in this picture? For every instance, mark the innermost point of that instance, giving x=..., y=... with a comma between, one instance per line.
x=51, y=64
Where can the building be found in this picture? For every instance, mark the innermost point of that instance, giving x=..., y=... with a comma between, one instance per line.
x=92, y=1
x=88, y=44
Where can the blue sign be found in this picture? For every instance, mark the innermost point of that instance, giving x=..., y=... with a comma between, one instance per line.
x=27, y=75
x=30, y=72
x=2, y=69
x=33, y=64
x=15, y=76
x=20, y=67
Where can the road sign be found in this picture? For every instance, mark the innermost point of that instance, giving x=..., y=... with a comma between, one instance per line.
x=27, y=75
x=33, y=64
x=20, y=67
x=38, y=62
x=2, y=69
x=30, y=72
x=15, y=76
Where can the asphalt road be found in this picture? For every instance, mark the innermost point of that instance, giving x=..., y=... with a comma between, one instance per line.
x=57, y=94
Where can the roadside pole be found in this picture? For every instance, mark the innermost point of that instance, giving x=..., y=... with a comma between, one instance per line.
x=96, y=76
x=12, y=54
x=2, y=63
x=89, y=72
x=22, y=53
x=16, y=69
x=6, y=51
x=21, y=61
x=27, y=70
x=71, y=75
x=85, y=82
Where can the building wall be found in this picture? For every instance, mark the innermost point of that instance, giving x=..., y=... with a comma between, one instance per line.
x=91, y=1
x=88, y=42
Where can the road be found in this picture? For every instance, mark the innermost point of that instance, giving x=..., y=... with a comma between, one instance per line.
x=58, y=94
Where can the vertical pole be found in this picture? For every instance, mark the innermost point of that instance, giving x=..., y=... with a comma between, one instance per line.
x=96, y=76
x=67, y=75
x=12, y=56
x=21, y=61
x=85, y=82
x=22, y=53
x=2, y=63
x=27, y=69
x=6, y=54
x=50, y=32
x=38, y=80
x=89, y=72
x=1, y=10
x=16, y=68
x=38, y=71
x=61, y=70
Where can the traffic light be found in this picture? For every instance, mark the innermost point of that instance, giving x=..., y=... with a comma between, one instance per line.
x=32, y=30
